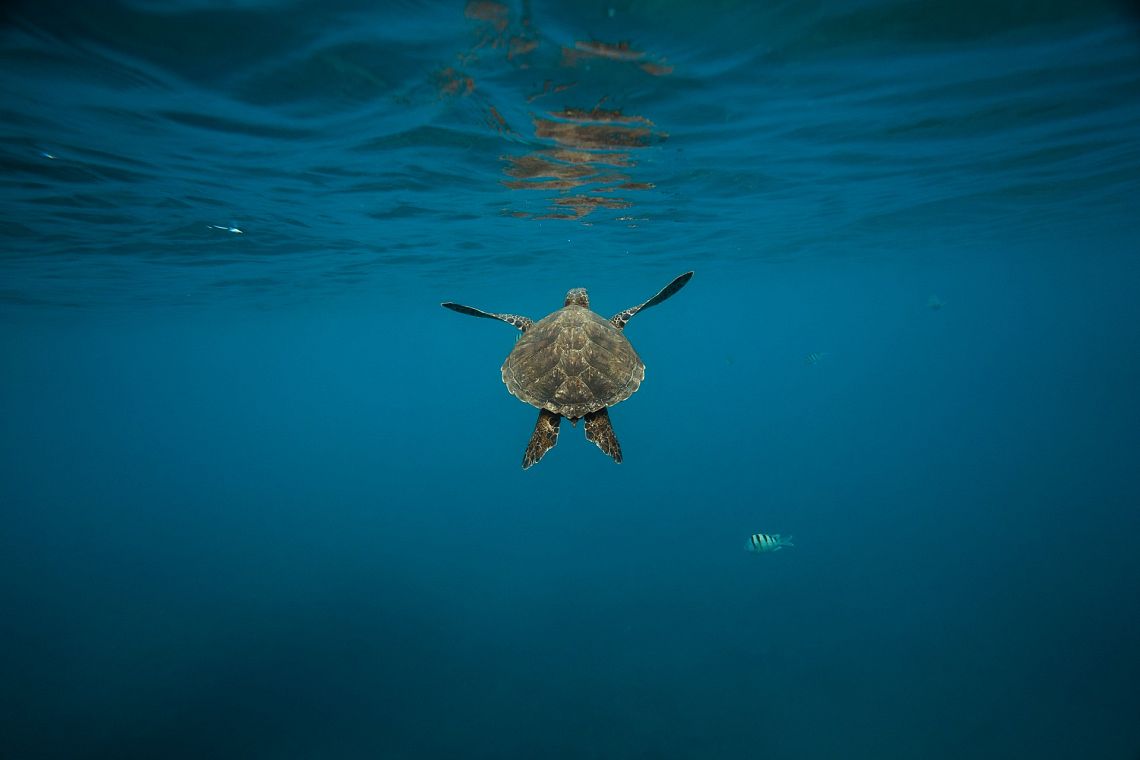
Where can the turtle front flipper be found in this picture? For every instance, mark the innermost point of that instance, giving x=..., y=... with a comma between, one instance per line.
x=619, y=320
x=512, y=319
x=600, y=431
x=544, y=437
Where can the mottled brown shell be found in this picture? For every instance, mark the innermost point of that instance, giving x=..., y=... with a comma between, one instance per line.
x=573, y=362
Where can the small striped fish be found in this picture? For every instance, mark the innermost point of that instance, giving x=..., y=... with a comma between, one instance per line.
x=814, y=357
x=762, y=542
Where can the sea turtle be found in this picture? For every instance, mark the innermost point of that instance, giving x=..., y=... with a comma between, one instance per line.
x=573, y=364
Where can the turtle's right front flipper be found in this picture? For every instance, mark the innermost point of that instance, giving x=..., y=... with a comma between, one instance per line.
x=512, y=319
x=619, y=320
x=544, y=438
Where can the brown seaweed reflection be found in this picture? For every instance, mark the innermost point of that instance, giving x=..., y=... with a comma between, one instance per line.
x=494, y=29
x=590, y=147
x=585, y=154
x=449, y=81
x=618, y=51
x=495, y=14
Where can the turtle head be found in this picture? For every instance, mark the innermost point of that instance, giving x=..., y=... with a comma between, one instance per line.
x=577, y=297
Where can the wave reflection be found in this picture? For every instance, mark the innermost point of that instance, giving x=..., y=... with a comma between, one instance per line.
x=592, y=149
x=585, y=154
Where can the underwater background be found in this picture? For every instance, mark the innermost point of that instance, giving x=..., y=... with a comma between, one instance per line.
x=261, y=497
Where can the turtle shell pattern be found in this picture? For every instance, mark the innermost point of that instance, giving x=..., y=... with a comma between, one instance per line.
x=573, y=362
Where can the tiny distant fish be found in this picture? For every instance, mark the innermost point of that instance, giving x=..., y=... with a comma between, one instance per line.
x=934, y=302
x=762, y=543
x=234, y=230
x=814, y=357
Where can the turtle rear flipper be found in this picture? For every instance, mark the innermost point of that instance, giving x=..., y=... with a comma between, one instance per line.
x=544, y=437
x=600, y=431
x=512, y=319
x=619, y=320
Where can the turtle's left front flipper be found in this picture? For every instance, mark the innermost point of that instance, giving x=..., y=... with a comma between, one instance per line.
x=512, y=319
x=619, y=320
x=600, y=431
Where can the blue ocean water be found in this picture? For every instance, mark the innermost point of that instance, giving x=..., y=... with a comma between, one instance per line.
x=260, y=496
